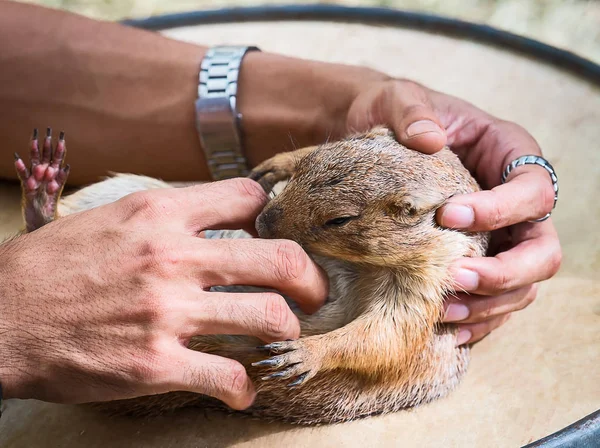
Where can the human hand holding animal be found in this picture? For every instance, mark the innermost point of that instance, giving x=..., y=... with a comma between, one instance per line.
x=363, y=207
x=521, y=253
x=109, y=315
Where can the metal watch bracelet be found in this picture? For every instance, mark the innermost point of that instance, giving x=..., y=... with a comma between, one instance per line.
x=218, y=120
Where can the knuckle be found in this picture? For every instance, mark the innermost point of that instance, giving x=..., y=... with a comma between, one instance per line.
x=153, y=309
x=546, y=197
x=237, y=379
x=495, y=217
x=290, y=261
x=530, y=296
x=409, y=85
x=277, y=316
x=147, y=204
x=414, y=98
x=159, y=257
x=554, y=261
x=233, y=386
x=486, y=313
x=501, y=282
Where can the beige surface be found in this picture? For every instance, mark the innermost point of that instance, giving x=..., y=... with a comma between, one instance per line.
x=570, y=24
x=537, y=374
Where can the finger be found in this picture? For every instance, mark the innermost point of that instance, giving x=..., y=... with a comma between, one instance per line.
x=62, y=175
x=229, y=204
x=47, y=151
x=527, y=196
x=469, y=333
x=221, y=378
x=34, y=150
x=413, y=120
x=536, y=257
x=473, y=309
x=405, y=107
x=21, y=169
x=59, y=152
x=486, y=146
x=278, y=264
x=264, y=315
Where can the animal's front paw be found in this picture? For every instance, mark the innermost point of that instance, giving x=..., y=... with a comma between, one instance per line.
x=273, y=170
x=297, y=360
x=278, y=168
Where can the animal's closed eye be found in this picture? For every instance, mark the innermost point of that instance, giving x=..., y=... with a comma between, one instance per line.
x=336, y=222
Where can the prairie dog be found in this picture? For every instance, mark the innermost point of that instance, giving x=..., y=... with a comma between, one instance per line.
x=364, y=209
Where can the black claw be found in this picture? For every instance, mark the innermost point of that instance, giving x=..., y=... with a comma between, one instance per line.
x=271, y=346
x=61, y=136
x=266, y=362
x=274, y=346
x=49, y=132
x=299, y=381
x=273, y=375
x=67, y=168
x=17, y=156
x=35, y=134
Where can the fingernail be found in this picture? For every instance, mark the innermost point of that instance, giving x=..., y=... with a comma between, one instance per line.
x=456, y=312
x=456, y=216
x=423, y=127
x=466, y=279
x=463, y=337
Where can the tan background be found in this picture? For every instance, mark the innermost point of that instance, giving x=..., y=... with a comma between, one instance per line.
x=570, y=24
x=534, y=376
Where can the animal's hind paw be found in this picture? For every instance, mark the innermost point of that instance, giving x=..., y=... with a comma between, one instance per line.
x=293, y=360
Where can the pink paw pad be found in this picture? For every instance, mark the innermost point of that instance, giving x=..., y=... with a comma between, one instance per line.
x=47, y=172
x=44, y=180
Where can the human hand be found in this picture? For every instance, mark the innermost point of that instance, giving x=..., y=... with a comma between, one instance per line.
x=100, y=305
x=521, y=253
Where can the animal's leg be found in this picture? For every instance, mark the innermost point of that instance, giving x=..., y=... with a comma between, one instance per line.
x=366, y=345
x=43, y=182
x=278, y=168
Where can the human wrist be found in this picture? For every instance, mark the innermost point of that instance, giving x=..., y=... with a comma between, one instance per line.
x=12, y=351
x=289, y=102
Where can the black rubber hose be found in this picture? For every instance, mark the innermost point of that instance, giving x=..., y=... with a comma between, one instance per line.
x=584, y=433
x=562, y=59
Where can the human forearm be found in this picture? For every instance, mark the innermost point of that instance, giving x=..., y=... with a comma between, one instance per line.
x=290, y=103
x=125, y=96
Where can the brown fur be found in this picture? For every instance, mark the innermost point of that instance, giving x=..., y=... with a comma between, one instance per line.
x=378, y=344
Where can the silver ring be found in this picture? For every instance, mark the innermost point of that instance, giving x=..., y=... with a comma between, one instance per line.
x=534, y=160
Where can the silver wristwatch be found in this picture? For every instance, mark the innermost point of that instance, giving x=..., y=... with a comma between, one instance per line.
x=217, y=118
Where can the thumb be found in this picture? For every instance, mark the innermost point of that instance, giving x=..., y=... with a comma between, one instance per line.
x=403, y=106
x=408, y=110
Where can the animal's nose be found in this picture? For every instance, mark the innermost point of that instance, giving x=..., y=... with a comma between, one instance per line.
x=266, y=223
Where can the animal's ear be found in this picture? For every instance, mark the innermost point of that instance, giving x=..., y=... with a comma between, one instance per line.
x=414, y=204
